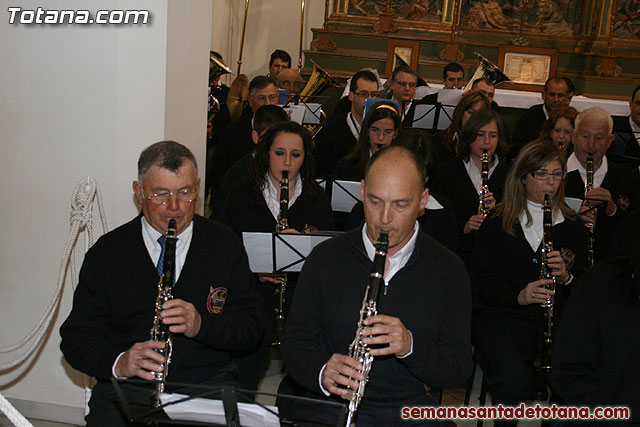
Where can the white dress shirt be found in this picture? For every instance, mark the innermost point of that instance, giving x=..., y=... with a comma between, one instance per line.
x=271, y=195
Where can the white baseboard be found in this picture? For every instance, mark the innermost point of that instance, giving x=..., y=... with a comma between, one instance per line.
x=49, y=412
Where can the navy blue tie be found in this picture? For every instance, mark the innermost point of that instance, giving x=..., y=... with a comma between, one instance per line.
x=163, y=244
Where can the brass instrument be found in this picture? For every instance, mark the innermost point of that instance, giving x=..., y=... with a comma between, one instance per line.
x=282, y=224
x=217, y=68
x=239, y=90
x=591, y=227
x=318, y=81
x=484, y=186
x=301, y=34
x=159, y=331
x=357, y=349
x=545, y=273
x=487, y=70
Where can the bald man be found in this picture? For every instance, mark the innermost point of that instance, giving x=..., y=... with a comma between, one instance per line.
x=422, y=330
x=291, y=81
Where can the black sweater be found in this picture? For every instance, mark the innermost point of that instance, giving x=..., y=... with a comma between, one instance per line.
x=113, y=305
x=430, y=295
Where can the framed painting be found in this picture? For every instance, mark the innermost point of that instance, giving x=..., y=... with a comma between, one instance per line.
x=400, y=52
x=527, y=67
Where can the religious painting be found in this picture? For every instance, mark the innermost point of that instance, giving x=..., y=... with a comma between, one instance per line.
x=410, y=10
x=627, y=20
x=402, y=52
x=527, y=67
x=558, y=18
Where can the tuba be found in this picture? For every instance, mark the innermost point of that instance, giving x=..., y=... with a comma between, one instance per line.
x=591, y=227
x=545, y=273
x=282, y=224
x=159, y=331
x=216, y=69
x=484, y=186
x=487, y=70
x=318, y=81
x=357, y=349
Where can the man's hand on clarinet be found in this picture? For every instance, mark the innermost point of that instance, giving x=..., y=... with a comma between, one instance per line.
x=141, y=360
x=182, y=317
x=389, y=330
x=341, y=370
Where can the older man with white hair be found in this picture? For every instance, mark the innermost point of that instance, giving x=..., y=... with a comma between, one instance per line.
x=616, y=188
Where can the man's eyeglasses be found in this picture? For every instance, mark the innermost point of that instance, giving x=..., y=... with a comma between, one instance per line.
x=186, y=195
x=363, y=94
x=264, y=98
x=544, y=175
x=403, y=84
x=387, y=132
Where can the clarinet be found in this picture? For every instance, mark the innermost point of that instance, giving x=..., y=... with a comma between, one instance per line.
x=282, y=224
x=591, y=227
x=159, y=331
x=484, y=186
x=545, y=273
x=357, y=349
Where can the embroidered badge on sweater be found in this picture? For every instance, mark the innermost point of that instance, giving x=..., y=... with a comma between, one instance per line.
x=216, y=299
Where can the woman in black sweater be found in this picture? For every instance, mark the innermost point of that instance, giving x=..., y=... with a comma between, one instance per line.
x=254, y=204
x=380, y=126
x=506, y=266
x=460, y=178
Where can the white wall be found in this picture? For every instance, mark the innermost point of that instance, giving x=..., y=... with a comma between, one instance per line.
x=80, y=100
x=271, y=24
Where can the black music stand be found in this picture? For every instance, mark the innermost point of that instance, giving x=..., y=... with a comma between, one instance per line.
x=228, y=395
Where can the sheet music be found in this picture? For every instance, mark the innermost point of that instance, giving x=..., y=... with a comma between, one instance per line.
x=449, y=97
x=312, y=113
x=424, y=116
x=573, y=203
x=344, y=195
x=211, y=411
x=295, y=112
x=446, y=114
x=258, y=247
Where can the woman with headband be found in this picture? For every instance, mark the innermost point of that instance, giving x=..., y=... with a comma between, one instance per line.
x=379, y=129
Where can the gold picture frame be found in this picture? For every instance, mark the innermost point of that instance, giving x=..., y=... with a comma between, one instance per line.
x=406, y=50
x=527, y=67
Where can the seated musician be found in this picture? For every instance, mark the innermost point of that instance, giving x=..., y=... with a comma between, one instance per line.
x=616, y=188
x=380, y=126
x=215, y=308
x=340, y=134
x=506, y=267
x=424, y=310
x=596, y=353
x=447, y=139
x=254, y=205
x=460, y=179
x=559, y=128
x=626, y=147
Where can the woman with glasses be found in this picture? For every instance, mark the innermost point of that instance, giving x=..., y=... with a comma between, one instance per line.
x=559, y=128
x=254, y=205
x=506, y=266
x=379, y=128
x=460, y=179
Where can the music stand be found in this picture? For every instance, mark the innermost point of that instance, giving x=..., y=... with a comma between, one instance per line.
x=281, y=252
x=213, y=406
x=343, y=194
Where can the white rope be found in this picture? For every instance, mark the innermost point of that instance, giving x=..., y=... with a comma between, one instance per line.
x=81, y=218
x=16, y=418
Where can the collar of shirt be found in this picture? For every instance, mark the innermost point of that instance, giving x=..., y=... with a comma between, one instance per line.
x=635, y=129
x=353, y=124
x=476, y=175
x=150, y=237
x=534, y=232
x=397, y=260
x=546, y=113
x=598, y=175
x=271, y=195
x=433, y=204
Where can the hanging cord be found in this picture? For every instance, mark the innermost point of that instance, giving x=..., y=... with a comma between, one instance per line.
x=81, y=218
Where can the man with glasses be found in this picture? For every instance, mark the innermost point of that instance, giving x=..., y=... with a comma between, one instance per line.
x=236, y=141
x=616, y=189
x=403, y=89
x=338, y=137
x=215, y=308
